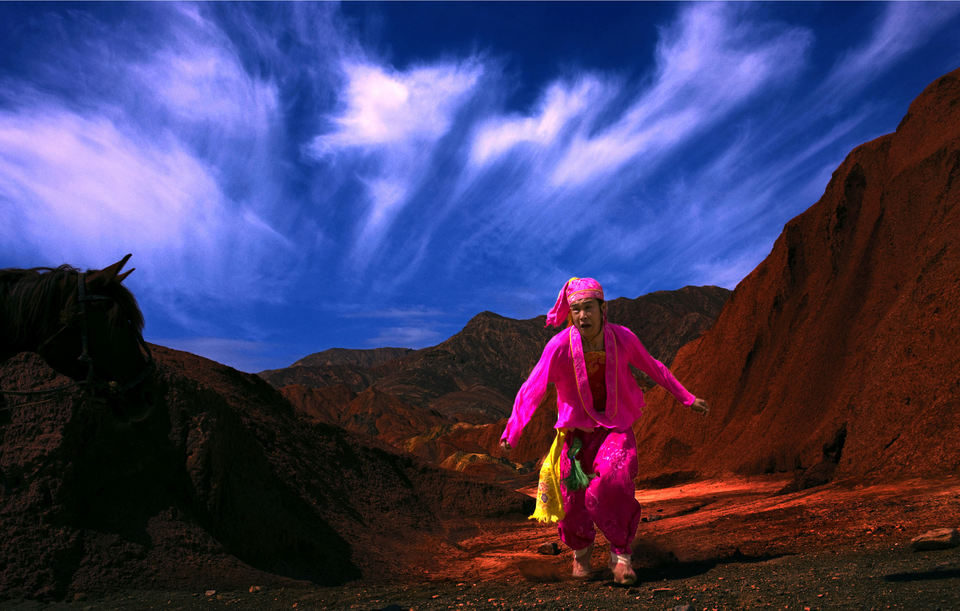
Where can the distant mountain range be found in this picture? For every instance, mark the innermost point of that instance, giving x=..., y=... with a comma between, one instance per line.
x=419, y=397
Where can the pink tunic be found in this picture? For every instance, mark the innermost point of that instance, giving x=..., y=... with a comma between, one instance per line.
x=563, y=363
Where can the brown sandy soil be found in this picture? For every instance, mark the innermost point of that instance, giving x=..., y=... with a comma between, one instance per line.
x=731, y=543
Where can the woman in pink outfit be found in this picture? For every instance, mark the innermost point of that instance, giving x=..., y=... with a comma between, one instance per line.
x=598, y=401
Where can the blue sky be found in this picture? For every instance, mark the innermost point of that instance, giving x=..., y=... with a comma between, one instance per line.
x=298, y=176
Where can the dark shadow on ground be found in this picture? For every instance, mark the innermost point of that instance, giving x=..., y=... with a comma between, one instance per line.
x=668, y=567
x=651, y=564
x=923, y=575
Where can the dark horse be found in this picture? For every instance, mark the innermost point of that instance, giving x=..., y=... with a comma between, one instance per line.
x=86, y=325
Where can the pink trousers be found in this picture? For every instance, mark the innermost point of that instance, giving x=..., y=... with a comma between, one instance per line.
x=609, y=501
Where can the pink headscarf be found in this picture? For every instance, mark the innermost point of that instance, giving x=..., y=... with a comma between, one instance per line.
x=574, y=290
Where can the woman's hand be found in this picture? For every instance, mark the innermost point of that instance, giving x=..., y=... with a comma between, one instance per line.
x=700, y=406
x=506, y=447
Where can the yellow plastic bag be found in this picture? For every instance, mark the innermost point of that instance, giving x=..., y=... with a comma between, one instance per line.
x=549, y=502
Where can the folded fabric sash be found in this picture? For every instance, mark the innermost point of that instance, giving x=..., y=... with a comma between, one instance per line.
x=549, y=507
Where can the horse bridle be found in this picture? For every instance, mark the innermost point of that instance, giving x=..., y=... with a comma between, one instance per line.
x=84, y=298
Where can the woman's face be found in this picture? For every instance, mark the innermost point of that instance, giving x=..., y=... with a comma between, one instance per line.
x=587, y=317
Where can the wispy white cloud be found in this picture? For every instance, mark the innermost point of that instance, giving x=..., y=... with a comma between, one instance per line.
x=83, y=190
x=168, y=159
x=393, y=119
x=203, y=84
x=596, y=157
x=577, y=155
x=198, y=80
x=384, y=107
x=561, y=105
x=901, y=27
x=708, y=63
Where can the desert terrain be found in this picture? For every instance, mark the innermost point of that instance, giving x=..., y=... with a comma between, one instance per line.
x=374, y=480
x=713, y=544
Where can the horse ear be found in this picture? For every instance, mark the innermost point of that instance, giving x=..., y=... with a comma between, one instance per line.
x=106, y=275
x=124, y=275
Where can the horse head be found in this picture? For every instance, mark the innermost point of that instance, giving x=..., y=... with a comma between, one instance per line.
x=86, y=325
x=114, y=346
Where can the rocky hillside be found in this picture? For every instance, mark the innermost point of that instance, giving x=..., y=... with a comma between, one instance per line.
x=359, y=358
x=497, y=352
x=838, y=355
x=217, y=484
x=350, y=368
x=666, y=320
x=471, y=376
x=427, y=396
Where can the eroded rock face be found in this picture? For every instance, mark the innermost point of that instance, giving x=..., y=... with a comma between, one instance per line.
x=850, y=323
x=221, y=485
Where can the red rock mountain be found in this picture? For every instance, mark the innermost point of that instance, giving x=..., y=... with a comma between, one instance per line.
x=841, y=349
x=359, y=358
x=334, y=366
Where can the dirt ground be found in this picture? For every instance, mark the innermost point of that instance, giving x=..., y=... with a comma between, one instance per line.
x=734, y=543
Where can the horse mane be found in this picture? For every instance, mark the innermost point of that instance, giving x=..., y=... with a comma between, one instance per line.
x=31, y=301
